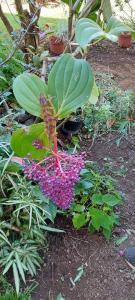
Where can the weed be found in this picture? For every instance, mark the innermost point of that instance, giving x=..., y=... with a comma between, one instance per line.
x=96, y=199
x=114, y=110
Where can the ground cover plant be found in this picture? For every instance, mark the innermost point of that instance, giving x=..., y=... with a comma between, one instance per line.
x=114, y=109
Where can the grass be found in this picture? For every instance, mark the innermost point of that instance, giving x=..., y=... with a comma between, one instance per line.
x=53, y=22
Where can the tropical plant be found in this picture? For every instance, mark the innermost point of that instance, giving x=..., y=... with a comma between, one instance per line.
x=87, y=31
x=70, y=84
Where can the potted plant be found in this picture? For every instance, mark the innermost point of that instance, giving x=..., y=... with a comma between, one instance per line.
x=57, y=41
x=125, y=40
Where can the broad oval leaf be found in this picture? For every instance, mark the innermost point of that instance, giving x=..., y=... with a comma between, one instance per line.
x=27, y=89
x=87, y=31
x=23, y=138
x=70, y=84
x=115, y=27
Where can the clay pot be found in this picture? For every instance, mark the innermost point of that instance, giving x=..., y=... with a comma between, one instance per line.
x=125, y=40
x=56, y=45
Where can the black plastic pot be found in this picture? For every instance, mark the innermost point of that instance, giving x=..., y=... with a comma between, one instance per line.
x=71, y=127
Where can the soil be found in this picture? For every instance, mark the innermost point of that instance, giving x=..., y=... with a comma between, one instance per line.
x=106, y=275
x=110, y=58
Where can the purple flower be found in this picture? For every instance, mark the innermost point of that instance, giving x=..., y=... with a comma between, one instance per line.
x=57, y=176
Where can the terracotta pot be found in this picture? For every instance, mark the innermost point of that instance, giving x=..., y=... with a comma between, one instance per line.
x=125, y=40
x=56, y=45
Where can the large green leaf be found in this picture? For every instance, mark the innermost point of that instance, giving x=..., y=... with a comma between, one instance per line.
x=23, y=138
x=87, y=31
x=70, y=84
x=27, y=89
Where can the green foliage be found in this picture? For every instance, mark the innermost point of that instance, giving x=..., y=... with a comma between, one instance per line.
x=22, y=139
x=13, y=296
x=114, y=108
x=87, y=31
x=70, y=84
x=22, y=257
x=12, y=68
x=24, y=217
x=27, y=89
x=96, y=200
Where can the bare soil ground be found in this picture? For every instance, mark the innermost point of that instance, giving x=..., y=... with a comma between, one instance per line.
x=107, y=276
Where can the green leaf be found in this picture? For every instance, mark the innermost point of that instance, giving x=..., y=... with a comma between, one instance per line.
x=100, y=219
x=111, y=200
x=16, y=278
x=80, y=273
x=115, y=27
x=22, y=139
x=79, y=220
x=87, y=31
x=121, y=240
x=51, y=208
x=97, y=199
x=7, y=267
x=60, y=297
x=86, y=184
x=51, y=229
x=19, y=265
x=77, y=207
x=94, y=95
x=70, y=84
x=107, y=233
x=27, y=89
x=73, y=2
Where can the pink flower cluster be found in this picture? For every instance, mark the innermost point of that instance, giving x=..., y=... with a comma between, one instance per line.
x=57, y=176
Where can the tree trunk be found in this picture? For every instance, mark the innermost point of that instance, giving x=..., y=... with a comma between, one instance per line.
x=5, y=21
x=19, y=8
x=31, y=40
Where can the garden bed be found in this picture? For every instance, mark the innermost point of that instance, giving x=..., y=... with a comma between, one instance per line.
x=106, y=275
x=109, y=58
x=101, y=272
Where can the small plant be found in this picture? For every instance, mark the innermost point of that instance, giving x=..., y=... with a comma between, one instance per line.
x=114, y=110
x=87, y=31
x=95, y=202
x=58, y=40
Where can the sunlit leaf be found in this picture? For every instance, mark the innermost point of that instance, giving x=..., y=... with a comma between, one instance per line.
x=70, y=84
x=22, y=141
x=87, y=31
x=27, y=89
